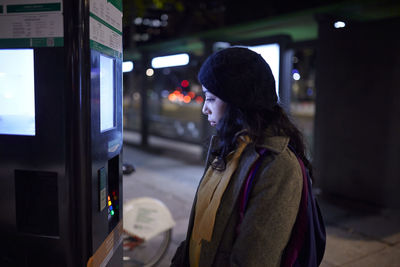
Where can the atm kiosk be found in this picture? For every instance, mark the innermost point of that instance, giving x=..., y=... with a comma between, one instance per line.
x=61, y=133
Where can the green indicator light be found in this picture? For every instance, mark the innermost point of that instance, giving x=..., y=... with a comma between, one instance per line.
x=112, y=213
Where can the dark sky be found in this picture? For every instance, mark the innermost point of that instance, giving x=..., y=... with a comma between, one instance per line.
x=189, y=17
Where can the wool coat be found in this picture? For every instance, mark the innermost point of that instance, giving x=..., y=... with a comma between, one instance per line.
x=269, y=216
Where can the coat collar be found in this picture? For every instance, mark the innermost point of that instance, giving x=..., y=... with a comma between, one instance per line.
x=273, y=143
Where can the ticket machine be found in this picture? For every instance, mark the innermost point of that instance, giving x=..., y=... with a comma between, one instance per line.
x=61, y=133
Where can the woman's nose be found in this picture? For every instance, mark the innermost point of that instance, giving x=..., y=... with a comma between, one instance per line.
x=205, y=109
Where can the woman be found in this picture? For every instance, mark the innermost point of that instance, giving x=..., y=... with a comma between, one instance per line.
x=252, y=130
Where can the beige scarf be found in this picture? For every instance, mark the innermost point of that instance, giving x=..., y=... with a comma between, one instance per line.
x=210, y=193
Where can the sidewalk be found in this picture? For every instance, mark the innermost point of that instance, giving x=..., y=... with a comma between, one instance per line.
x=357, y=234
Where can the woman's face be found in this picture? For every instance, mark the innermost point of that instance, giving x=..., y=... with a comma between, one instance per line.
x=213, y=107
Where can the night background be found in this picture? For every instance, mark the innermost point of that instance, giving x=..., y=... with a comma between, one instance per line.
x=149, y=21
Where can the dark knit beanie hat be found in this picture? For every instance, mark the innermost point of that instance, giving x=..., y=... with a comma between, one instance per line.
x=240, y=77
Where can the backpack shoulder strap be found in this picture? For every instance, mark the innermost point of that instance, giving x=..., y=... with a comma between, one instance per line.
x=244, y=195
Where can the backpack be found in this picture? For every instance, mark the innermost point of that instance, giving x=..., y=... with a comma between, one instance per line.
x=307, y=242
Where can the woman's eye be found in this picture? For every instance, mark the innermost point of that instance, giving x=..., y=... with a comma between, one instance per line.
x=210, y=99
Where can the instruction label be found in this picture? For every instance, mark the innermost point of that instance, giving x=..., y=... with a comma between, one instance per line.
x=106, y=26
x=31, y=23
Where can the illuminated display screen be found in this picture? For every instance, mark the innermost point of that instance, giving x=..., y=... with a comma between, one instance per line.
x=271, y=54
x=107, y=108
x=17, y=92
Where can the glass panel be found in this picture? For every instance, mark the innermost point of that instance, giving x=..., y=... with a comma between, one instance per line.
x=302, y=104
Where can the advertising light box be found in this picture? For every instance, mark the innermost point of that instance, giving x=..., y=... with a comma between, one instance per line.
x=271, y=54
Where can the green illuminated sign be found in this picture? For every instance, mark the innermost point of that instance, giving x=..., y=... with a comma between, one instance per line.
x=105, y=23
x=32, y=42
x=116, y=3
x=106, y=28
x=34, y=8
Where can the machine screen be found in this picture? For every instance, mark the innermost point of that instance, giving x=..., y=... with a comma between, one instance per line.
x=107, y=97
x=17, y=92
